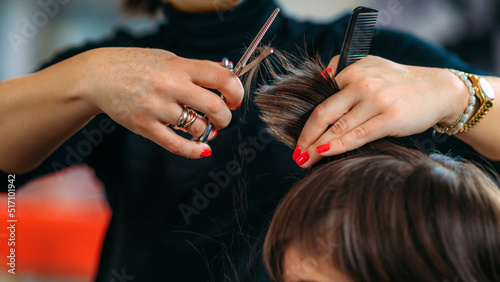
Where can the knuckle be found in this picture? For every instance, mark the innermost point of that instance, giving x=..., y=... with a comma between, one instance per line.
x=303, y=140
x=139, y=126
x=215, y=105
x=198, y=127
x=396, y=113
x=226, y=120
x=223, y=77
x=320, y=113
x=359, y=133
x=149, y=106
x=340, y=127
x=173, y=146
x=350, y=71
x=381, y=99
x=339, y=143
x=193, y=153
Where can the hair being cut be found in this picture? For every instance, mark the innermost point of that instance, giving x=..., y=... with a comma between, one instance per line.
x=382, y=212
x=298, y=86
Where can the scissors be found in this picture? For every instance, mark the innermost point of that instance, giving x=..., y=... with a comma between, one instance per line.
x=242, y=66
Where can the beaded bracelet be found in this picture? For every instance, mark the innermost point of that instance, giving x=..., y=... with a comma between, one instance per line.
x=486, y=96
x=462, y=119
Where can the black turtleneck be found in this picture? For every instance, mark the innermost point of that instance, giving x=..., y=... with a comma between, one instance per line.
x=204, y=220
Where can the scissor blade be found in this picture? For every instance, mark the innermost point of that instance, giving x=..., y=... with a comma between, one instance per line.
x=256, y=41
x=262, y=56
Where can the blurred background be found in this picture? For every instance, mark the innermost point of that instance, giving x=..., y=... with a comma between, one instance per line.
x=467, y=27
x=62, y=221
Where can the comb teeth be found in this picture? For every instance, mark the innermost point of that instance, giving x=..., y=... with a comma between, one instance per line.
x=358, y=38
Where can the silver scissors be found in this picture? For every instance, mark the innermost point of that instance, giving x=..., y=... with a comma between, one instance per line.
x=242, y=66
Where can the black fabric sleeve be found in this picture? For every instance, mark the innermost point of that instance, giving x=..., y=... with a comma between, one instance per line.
x=410, y=50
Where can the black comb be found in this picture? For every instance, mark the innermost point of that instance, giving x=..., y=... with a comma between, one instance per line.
x=358, y=38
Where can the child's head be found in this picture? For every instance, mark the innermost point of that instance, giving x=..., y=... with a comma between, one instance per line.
x=381, y=213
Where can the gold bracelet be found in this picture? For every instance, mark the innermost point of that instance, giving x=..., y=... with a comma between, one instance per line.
x=486, y=95
x=464, y=117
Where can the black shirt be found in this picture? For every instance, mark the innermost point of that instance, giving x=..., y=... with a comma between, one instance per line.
x=176, y=219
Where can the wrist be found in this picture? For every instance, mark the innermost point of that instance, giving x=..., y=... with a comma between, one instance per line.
x=458, y=98
x=81, y=83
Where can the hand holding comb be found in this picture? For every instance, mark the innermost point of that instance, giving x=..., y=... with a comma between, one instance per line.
x=358, y=38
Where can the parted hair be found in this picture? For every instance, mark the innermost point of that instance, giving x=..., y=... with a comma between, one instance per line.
x=382, y=212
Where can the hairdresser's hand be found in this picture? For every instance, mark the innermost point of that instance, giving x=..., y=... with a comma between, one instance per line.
x=379, y=98
x=144, y=90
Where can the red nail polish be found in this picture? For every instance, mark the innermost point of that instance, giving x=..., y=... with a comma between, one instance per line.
x=237, y=107
x=296, y=153
x=302, y=159
x=206, y=153
x=326, y=72
x=215, y=134
x=323, y=148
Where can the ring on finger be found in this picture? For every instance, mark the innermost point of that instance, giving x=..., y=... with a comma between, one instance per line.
x=204, y=136
x=186, y=119
x=191, y=119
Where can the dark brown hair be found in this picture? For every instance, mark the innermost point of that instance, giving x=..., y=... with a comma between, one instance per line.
x=298, y=86
x=149, y=7
x=383, y=212
x=392, y=214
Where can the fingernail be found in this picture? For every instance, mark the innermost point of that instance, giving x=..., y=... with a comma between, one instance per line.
x=326, y=72
x=323, y=148
x=302, y=159
x=215, y=134
x=237, y=107
x=296, y=153
x=206, y=153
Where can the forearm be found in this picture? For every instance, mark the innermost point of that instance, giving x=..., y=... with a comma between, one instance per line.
x=40, y=111
x=485, y=136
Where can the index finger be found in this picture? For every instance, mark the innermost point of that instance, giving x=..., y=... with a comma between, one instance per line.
x=333, y=64
x=324, y=115
x=213, y=76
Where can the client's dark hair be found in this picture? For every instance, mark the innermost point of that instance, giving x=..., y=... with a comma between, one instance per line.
x=298, y=86
x=384, y=212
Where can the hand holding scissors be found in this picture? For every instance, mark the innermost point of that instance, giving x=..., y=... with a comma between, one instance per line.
x=242, y=66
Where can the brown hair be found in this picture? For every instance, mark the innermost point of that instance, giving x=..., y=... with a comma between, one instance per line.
x=298, y=86
x=392, y=214
x=383, y=212
x=149, y=7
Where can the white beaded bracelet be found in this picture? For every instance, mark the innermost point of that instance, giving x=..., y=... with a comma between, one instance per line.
x=462, y=119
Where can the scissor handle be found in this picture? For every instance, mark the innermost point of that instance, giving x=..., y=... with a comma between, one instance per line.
x=226, y=63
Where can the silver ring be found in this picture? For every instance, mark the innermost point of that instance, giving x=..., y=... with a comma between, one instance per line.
x=204, y=136
x=226, y=63
x=192, y=118
x=186, y=119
